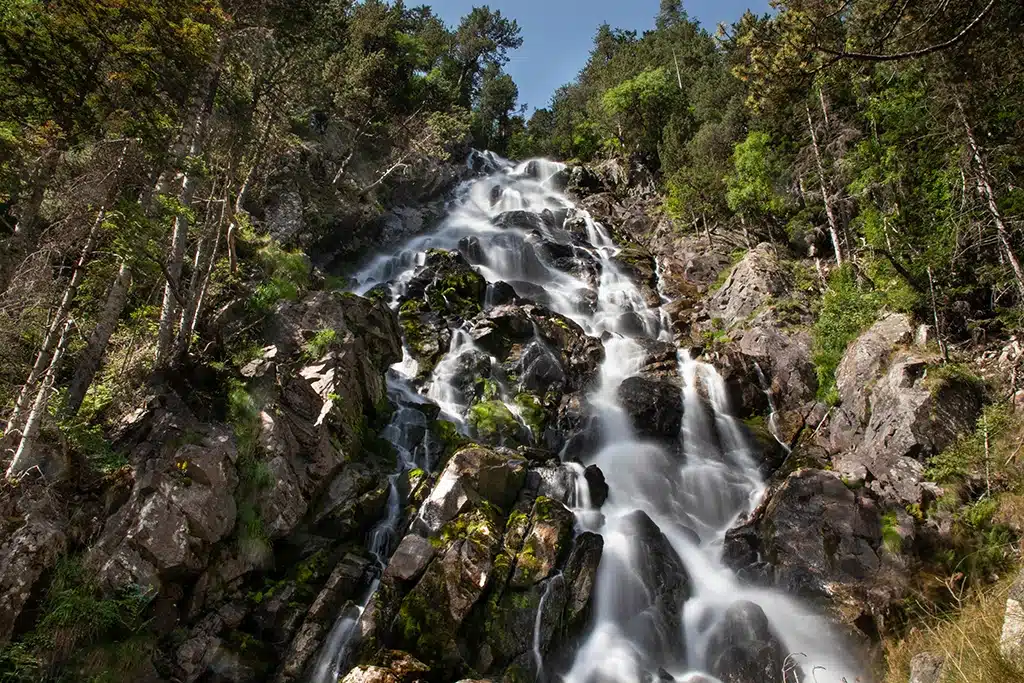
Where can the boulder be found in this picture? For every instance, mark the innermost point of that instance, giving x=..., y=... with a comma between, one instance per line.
x=545, y=544
x=927, y=667
x=743, y=649
x=26, y=555
x=913, y=416
x=1011, y=641
x=370, y=674
x=473, y=474
x=752, y=282
x=861, y=365
x=638, y=264
x=785, y=360
x=823, y=542
x=580, y=576
x=654, y=407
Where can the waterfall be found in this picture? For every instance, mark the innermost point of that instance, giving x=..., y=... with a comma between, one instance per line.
x=693, y=492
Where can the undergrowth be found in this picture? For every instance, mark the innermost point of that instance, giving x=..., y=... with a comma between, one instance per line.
x=81, y=634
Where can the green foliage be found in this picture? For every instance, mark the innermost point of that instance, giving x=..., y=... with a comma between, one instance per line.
x=891, y=538
x=285, y=274
x=987, y=452
x=846, y=310
x=493, y=421
x=77, y=629
x=752, y=182
x=320, y=344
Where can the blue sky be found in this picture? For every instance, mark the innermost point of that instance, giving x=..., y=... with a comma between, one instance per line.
x=558, y=34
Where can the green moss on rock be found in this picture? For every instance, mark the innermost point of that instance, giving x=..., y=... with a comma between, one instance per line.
x=493, y=421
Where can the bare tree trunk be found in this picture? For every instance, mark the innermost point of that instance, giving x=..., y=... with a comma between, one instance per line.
x=53, y=332
x=89, y=364
x=985, y=187
x=206, y=256
x=679, y=77
x=179, y=237
x=833, y=227
x=26, y=231
x=23, y=459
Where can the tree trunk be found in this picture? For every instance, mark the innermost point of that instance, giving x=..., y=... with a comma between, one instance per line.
x=206, y=256
x=179, y=237
x=985, y=187
x=52, y=333
x=23, y=458
x=89, y=364
x=833, y=227
x=26, y=231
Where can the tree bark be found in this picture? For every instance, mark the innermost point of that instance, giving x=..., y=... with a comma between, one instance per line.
x=985, y=187
x=833, y=227
x=179, y=237
x=23, y=457
x=89, y=364
x=26, y=231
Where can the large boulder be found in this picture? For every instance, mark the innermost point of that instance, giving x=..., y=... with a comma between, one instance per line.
x=913, y=416
x=861, y=365
x=751, y=284
x=654, y=407
x=743, y=649
x=545, y=544
x=817, y=539
x=1011, y=641
x=473, y=474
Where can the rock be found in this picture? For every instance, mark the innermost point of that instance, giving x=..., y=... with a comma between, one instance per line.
x=649, y=604
x=752, y=282
x=786, y=363
x=473, y=474
x=181, y=506
x=26, y=555
x=580, y=576
x=370, y=674
x=557, y=483
x=912, y=418
x=824, y=541
x=743, y=648
x=353, y=501
x=583, y=182
x=411, y=557
x=499, y=293
x=597, y=485
x=447, y=285
x=404, y=666
x=1011, y=642
x=654, y=407
x=638, y=264
x=861, y=365
x=546, y=543
x=522, y=220
x=927, y=667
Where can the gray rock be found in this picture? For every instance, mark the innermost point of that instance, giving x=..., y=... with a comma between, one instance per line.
x=1011, y=641
x=751, y=283
x=927, y=667
x=370, y=674
x=411, y=557
x=581, y=575
x=743, y=648
x=26, y=555
x=545, y=545
x=472, y=474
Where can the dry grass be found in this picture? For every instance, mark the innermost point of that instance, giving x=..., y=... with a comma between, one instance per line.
x=969, y=639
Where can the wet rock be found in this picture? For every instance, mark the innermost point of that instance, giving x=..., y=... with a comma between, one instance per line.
x=580, y=576
x=557, y=483
x=654, y=407
x=751, y=283
x=353, y=502
x=597, y=485
x=650, y=602
x=500, y=293
x=661, y=361
x=26, y=555
x=521, y=220
x=473, y=474
x=824, y=542
x=539, y=369
x=637, y=263
x=447, y=285
x=582, y=181
x=574, y=434
x=1011, y=641
x=545, y=544
x=785, y=361
x=472, y=250
x=927, y=667
x=743, y=648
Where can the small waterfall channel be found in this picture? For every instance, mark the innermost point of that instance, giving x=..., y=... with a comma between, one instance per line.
x=693, y=493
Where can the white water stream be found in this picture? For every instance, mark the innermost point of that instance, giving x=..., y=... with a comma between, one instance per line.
x=694, y=499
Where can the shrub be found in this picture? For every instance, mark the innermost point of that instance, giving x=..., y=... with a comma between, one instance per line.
x=846, y=310
x=321, y=342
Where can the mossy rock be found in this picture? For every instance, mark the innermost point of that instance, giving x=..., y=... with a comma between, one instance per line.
x=533, y=413
x=493, y=422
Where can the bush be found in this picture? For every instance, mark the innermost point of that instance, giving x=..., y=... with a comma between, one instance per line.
x=846, y=310
x=320, y=344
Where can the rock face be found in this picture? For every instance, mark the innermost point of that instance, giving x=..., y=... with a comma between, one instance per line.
x=654, y=407
x=927, y=667
x=750, y=285
x=463, y=590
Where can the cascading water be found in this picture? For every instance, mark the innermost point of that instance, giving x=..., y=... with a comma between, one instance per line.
x=694, y=492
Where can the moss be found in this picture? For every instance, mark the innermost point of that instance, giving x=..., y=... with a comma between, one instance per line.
x=891, y=538
x=951, y=374
x=531, y=408
x=449, y=436
x=493, y=421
